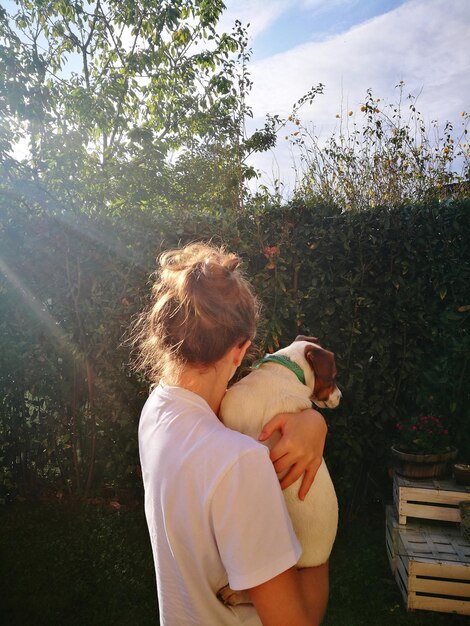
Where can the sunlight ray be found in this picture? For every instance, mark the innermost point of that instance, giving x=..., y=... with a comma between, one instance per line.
x=33, y=194
x=36, y=307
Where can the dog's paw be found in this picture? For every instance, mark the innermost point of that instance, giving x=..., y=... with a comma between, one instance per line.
x=231, y=598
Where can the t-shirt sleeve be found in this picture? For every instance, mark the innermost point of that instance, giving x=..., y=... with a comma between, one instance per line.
x=250, y=522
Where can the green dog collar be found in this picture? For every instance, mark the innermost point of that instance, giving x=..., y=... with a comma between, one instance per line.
x=282, y=360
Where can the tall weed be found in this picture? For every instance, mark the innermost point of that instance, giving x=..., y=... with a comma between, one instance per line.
x=388, y=158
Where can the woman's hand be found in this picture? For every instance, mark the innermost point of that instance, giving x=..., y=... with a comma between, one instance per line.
x=300, y=447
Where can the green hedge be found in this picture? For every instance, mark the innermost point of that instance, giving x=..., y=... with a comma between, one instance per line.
x=386, y=290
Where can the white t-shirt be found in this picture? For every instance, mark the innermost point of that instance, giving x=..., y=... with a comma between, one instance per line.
x=214, y=509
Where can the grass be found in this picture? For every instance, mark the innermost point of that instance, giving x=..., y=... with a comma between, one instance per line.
x=75, y=565
x=82, y=564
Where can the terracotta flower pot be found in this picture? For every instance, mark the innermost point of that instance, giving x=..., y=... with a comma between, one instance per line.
x=462, y=473
x=422, y=466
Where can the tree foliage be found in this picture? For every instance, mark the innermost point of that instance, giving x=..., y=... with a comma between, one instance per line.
x=106, y=92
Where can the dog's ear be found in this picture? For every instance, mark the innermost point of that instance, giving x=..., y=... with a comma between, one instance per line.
x=322, y=362
x=304, y=338
x=323, y=365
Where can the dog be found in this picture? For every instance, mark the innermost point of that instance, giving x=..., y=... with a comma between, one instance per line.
x=287, y=382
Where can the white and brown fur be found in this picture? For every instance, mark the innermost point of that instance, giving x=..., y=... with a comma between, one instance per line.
x=272, y=389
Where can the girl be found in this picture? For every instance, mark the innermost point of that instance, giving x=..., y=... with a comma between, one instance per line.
x=213, y=503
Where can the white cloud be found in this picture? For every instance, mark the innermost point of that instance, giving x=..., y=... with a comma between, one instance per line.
x=423, y=42
x=324, y=5
x=260, y=14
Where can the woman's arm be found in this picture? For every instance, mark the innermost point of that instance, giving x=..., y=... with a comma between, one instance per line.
x=281, y=602
x=300, y=447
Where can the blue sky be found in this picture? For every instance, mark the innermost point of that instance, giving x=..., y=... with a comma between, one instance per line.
x=351, y=46
x=305, y=22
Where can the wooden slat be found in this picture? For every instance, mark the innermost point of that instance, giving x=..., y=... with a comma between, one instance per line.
x=390, y=549
x=444, y=605
x=391, y=559
x=401, y=577
x=436, y=485
x=424, y=511
x=441, y=569
x=433, y=495
x=463, y=551
x=420, y=551
x=390, y=522
x=439, y=587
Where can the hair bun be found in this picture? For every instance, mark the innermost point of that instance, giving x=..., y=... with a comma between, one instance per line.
x=202, y=306
x=232, y=263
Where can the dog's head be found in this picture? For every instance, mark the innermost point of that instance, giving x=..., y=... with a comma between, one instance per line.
x=319, y=368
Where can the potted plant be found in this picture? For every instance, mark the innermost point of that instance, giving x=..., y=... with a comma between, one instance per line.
x=423, y=448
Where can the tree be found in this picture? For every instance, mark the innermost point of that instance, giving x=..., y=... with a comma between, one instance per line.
x=104, y=93
x=99, y=86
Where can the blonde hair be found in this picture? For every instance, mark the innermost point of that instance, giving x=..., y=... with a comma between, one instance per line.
x=201, y=306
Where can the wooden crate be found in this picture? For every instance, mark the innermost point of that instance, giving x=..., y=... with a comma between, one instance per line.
x=392, y=529
x=433, y=569
x=430, y=499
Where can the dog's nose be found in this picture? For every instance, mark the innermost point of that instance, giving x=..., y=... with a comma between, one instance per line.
x=334, y=399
